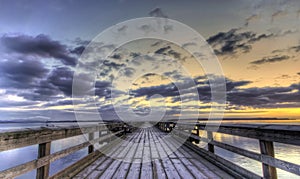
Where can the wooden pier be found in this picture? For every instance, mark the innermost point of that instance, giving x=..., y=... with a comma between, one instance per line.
x=166, y=150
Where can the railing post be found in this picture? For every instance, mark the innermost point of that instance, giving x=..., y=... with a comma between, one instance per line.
x=91, y=147
x=44, y=150
x=197, y=131
x=267, y=148
x=210, y=147
x=100, y=135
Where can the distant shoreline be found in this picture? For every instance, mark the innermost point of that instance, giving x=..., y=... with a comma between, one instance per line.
x=200, y=119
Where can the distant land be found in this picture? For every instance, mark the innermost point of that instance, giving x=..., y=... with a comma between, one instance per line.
x=74, y=121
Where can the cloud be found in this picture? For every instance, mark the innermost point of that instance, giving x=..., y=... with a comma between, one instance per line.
x=266, y=96
x=157, y=12
x=277, y=14
x=128, y=71
x=298, y=73
x=21, y=73
x=162, y=50
x=272, y=59
x=251, y=19
x=41, y=46
x=174, y=54
x=234, y=41
x=62, y=78
x=295, y=48
x=78, y=50
x=189, y=44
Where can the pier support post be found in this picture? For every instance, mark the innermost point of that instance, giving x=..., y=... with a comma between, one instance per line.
x=44, y=150
x=91, y=147
x=210, y=147
x=267, y=148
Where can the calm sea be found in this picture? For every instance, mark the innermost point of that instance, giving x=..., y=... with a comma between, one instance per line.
x=285, y=152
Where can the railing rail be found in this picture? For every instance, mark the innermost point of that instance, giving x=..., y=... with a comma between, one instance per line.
x=44, y=136
x=265, y=134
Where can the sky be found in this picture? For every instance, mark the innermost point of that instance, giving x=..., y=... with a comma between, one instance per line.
x=256, y=42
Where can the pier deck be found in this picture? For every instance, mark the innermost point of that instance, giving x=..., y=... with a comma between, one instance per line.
x=163, y=150
x=139, y=157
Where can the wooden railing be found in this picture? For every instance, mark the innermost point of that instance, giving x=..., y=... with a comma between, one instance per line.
x=44, y=136
x=265, y=134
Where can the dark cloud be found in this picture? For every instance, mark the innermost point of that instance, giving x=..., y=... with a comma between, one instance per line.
x=134, y=54
x=163, y=50
x=40, y=45
x=174, y=54
x=233, y=41
x=260, y=37
x=128, y=71
x=295, y=48
x=265, y=97
x=78, y=50
x=272, y=59
x=123, y=28
x=298, y=73
x=171, y=90
x=21, y=73
x=116, y=56
x=251, y=19
x=62, y=78
x=113, y=65
x=189, y=44
x=157, y=12
x=80, y=42
x=156, y=43
x=277, y=14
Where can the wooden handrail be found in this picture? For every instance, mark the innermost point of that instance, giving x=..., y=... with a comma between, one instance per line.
x=43, y=137
x=265, y=134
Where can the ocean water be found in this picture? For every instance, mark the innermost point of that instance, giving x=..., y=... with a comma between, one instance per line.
x=15, y=157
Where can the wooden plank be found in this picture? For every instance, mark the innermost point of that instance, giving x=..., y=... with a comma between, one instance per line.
x=284, y=165
x=193, y=169
x=158, y=170
x=91, y=147
x=226, y=165
x=100, y=169
x=110, y=171
x=210, y=146
x=44, y=150
x=23, y=168
x=146, y=171
x=287, y=134
x=135, y=169
x=122, y=171
x=169, y=168
x=182, y=170
x=267, y=148
x=75, y=168
x=106, y=149
x=17, y=139
x=86, y=171
x=184, y=166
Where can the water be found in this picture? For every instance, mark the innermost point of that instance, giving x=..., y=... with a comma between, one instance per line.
x=285, y=152
x=18, y=156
